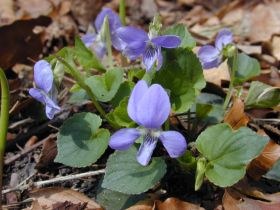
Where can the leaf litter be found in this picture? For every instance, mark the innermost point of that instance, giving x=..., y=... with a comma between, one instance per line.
x=257, y=35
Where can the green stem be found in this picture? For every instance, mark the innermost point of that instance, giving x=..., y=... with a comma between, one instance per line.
x=82, y=84
x=4, y=120
x=108, y=42
x=149, y=75
x=233, y=69
x=122, y=11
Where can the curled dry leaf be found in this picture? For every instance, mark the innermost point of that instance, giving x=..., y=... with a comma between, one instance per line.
x=236, y=117
x=48, y=197
x=264, y=162
x=232, y=200
x=176, y=204
x=169, y=204
x=48, y=154
x=217, y=75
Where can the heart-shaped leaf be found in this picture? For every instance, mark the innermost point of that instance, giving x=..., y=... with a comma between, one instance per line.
x=80, y=141
x=227, y=152
x=105, y=86
x=124, y=174
x=183, y=76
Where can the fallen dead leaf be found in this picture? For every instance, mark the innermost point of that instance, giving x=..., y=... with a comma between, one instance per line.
x=143, y=205
x=217, y=75
x=276, y=47
x=232, y=200
x=7, y=14
x=47, y=197
x=48, y=154
x=236, y=117
x=18, y=42
x=176, y=204
x=264, y=162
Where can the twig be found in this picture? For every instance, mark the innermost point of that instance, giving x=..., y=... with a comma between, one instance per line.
x=39, y=184
x=27, y=150
x=21, y=122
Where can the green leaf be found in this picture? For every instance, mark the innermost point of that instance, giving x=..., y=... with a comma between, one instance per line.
x=105, y=86
x=120, y=116
x=183, y=76
x=180, y=30
x=124, y=91
x=86, y=57
x=113, y=200
x=80, y=142
x=228, y=152
x=247, y=68
x=274, y=172
x=209, y=108
x=78, y=97
x=124, y=174
x=261, y=95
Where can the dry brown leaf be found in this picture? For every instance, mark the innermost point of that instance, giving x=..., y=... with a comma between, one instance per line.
x=143, y=205
x=31, y=141
x=276, y=47
x=217, y=75
x=47, y=197
x=48, y=154
x=34, y=8
x=264, y=21
x=7, y=14
x=34, y=206
x=232, y=200
x=264, y=162
x=176, y=204
x=18, y=42
x=236, y=117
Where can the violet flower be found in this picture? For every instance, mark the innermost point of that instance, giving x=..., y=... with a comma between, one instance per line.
x=149, y=107
x=96, y=41
x=45, y=90
x=140, y=44
x=211, y=56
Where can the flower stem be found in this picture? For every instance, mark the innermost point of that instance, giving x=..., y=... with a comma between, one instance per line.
x=108, y=42
x=149, y=75
x=122, y=11
x=82, y=84
x=4, y=120
x=233, y=69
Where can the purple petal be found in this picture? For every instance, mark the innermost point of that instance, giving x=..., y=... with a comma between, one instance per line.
x=113, y=18
x=117, y=42
x=51, y=107
x=153, y=108
x=43, y=75
x=159, y=60
x=150, y=56
x=137, y=93
x=209, y=56
x=88, y=39
x=174, y=142
x=134, y=50
x=124, y=138
x=223, y=38
x=131, y=34
x=146, y=150
x=51, y=111
x=167, y=41
x=38, y=94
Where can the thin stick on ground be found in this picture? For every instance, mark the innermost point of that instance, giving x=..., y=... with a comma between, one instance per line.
x=54, y=180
